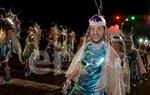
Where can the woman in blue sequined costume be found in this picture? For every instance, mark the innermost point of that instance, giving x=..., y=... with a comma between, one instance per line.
x=135, y=62
x=6, y=32
x=96, y=67
x=31, y=51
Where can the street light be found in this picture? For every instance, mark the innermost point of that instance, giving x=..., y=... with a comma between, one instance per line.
x=126, y=19
x=140, y=40
x=146, y=41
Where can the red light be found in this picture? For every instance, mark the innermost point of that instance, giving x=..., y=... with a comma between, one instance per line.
x=117, y=17
x=148, y=17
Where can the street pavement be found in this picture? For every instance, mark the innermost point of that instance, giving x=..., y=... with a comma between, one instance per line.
x=48, y=84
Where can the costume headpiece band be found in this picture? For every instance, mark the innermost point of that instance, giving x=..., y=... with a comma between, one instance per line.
x=97, y=20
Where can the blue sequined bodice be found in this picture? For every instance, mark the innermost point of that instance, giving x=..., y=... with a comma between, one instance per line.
x=92, y=61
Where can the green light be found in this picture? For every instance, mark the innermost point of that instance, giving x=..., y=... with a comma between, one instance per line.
x=132, y=17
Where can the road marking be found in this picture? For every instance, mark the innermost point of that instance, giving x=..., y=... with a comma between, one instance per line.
x=32, y=84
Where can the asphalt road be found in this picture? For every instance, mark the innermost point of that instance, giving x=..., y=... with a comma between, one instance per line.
x=48, y=84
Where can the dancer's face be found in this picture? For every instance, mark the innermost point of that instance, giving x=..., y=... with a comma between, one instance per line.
x=2, y=35
x=96, y=33
x=128, y=43
x=116, y=45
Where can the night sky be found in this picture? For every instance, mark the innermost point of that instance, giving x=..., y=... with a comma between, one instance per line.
x=74, y=13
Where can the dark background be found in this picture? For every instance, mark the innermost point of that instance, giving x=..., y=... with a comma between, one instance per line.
x=75, y=13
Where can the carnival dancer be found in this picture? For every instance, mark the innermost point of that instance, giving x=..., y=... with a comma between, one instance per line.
x=135, y=62
x=119, y=46
x=96, y=67
x=31, y=51
x=58, y=53
x=148, y=55
x=70, y=45
x=143, y=54
x=16, y=34
x=6, y=49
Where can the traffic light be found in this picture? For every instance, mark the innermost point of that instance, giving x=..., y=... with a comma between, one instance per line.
x=117, y=17
x=132, y=17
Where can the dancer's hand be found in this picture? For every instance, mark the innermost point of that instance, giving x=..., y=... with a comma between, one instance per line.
x=6, y=60
x=66, y=86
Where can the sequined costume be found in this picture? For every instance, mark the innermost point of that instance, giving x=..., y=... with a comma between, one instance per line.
x=135, y=62
x=95, y=71
x=96, y=67
x=6, y=54
x=132, y=56
x=92, y=62
x=8, y=49
x=31, y=53
x=58, y=58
